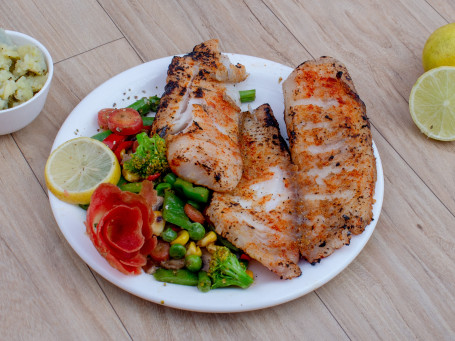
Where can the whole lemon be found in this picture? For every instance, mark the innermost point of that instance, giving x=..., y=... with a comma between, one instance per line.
x=439, y=50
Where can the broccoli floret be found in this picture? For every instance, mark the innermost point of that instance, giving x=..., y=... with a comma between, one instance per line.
x=225, y=270
x=150, y=156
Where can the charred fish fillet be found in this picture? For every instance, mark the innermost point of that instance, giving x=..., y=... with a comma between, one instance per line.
x=258, y=215
x=199, y=120
x=331, y=145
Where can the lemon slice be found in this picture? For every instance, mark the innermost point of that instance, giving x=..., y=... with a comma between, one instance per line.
x=432, y=103
x=77, y=167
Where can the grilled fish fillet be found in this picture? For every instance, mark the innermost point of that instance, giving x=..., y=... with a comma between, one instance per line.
x=331, y=145
x=257, y=216
x=199, y=121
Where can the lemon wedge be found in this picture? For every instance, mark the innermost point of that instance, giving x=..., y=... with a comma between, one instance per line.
x=432, y=103
x=77, y=167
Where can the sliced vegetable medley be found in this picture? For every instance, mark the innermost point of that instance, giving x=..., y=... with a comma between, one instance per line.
x=152, y=220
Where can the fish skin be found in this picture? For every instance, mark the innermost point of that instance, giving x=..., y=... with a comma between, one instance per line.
x=258, y=215
x=199, y=121
x=331, y=146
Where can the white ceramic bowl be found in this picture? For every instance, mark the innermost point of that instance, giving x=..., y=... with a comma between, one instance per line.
x=18, y=117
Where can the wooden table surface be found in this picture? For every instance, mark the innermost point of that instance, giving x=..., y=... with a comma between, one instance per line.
x=400, y=287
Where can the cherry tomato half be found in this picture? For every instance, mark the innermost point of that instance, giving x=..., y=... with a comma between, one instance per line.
x=125, y=121
x=103, y=116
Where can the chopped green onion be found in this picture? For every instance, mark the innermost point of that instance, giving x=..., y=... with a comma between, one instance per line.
x=247, y=95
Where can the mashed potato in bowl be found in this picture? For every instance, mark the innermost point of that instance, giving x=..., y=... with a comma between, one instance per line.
x=23, y=72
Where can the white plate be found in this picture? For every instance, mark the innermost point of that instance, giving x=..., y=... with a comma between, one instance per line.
x=149, y=79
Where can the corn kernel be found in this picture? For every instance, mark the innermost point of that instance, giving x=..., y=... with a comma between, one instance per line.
x=129, y=176
x=182, y=238
x=250, y=273
x=158, y=223
x=209, y=238
x=211, y=247
x=192, y=249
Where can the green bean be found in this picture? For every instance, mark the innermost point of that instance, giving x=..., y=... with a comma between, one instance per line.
x=204, y=283
x=181, y=276
x=170, y=178
x=247, y=95
x=134, y=187
x=145, y=105
x=161, y=187
x=121, y=181
x=196, y=193
x=147, y=121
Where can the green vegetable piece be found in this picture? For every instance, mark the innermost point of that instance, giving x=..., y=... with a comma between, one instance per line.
x=195, y=204
x=147, y=121
x=247, y=95
x=193, y=263
x=154, y=103
x=244, y=263
x=102, y=135
x=150, y=156
x=196, y=193
x=225, y=270
x=174, y=213
x=177, y=251
x=84, y=206
x=204, y=283
x=121, y=181
x=145, y=105
x=161, y=187
x=170, y=178
x=168, y=235
x=142, y=106
x=196, y=231
x=134, y=187
x=181, y=276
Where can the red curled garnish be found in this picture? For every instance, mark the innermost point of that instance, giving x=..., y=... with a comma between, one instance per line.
x=119, y=225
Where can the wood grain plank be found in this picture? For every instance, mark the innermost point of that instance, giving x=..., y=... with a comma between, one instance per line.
x=65, y=27
x=303, y=319
x=381, y=46
x=402, y=286
x=446, y=9
x=73, y=79
x=46, y=291
x=159, y=29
